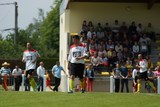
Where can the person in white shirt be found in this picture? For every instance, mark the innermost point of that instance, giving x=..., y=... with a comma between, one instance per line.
x=142, y=65
x=40, y=73
x=17, y=73
x=76, y=62
x=30, y=57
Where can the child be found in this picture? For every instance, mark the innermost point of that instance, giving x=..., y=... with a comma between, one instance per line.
x=89, y=74
x=48, y=80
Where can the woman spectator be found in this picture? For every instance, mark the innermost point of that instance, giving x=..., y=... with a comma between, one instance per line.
x=118, y=47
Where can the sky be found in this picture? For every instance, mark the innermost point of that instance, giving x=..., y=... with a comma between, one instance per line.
x=27, y=10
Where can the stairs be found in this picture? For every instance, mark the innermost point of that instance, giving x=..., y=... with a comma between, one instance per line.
x=155, y=50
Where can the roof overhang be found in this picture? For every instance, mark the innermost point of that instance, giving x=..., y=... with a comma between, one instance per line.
x=150, y=3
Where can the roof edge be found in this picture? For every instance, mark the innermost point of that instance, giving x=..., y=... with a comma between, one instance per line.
x=63, y=6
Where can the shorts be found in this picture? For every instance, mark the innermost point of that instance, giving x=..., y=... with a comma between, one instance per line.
x=30, y=72
x=143, y=75
x=77, y=70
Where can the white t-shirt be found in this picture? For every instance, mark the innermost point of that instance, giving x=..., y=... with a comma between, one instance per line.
x=17, y=71
x=76, y=51
x=29, y=57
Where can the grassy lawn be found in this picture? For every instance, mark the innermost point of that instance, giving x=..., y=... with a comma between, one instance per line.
x=99, y=99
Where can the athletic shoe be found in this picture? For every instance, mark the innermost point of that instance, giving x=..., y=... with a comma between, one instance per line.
x=70, y=92
x=82, y=91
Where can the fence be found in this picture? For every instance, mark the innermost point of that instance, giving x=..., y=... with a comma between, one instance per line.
x=101, y=84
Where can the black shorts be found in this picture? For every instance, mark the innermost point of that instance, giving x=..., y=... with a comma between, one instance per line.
x=143, y=75
x=77, y=70
x=30, y=72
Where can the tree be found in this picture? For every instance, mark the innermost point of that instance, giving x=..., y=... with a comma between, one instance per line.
x=50, y=32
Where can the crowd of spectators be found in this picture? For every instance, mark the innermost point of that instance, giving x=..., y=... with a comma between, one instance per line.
x=109, y=44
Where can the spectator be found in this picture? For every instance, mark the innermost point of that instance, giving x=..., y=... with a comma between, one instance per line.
x=111, y=54
x=136, y=50
x=102, y=51
x=100, y=32
x=92, y=51
x=140, y=29
x=124, y=75
x=96, y=62
x=104, y=60
x=149, y=64
x=17, y=73
x=144, y=49
x=89, y=74
x=118, y=47
x=48, y=80
x=85, y=27
x=56, y=71
x=107, y=28
x=40, y=74
x=5, y=72
x=127, y=53
x=91, y=35
x=115, y=27
x=90, y=25
x=132, y=29
x=149, y=30
x=109, y=44
x=116, y=75
x=93, y=44
x=117, y=37
x=101, y=45
x=120, y=56
x=143, y=39
x=123, y=28
x=150, y=82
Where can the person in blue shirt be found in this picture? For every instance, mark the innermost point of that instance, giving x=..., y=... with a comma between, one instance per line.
x=56, y=71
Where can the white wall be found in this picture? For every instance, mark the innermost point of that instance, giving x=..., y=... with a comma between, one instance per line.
x=64, y=29
x=108, y=12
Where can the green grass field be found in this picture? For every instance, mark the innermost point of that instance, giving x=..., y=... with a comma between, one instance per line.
x=98, y=99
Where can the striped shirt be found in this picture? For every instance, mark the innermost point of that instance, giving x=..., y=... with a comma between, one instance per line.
x=5, y=71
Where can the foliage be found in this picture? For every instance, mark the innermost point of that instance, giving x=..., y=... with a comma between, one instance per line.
x=43, y=33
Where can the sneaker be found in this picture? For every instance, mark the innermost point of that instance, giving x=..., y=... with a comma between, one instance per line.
x=82, y=91
x=70, y=92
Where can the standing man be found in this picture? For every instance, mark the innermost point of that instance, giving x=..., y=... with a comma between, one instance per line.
x=17, y=73
x=40, y=73
x=5, y=72
x=56, y=71
x=30, y=57
x=76, y=62
x=117, y=77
